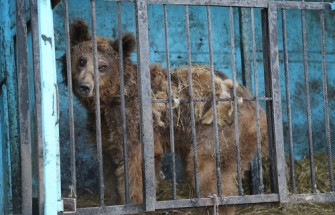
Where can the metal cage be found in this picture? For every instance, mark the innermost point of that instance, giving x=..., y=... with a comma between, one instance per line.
x=30, y=113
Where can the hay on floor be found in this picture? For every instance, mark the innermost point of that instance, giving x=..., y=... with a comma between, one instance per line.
x=303, y=185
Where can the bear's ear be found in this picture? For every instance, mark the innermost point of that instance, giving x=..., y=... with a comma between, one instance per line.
x=128, y=44
x=79, y=32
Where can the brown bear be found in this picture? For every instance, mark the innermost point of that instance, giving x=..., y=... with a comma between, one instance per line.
x=111, y=122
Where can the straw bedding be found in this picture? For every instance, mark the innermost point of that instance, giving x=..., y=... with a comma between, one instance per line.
x=302, y=175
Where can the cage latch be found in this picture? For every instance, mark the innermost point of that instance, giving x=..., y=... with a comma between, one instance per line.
x=69, y=205
x=216, y=203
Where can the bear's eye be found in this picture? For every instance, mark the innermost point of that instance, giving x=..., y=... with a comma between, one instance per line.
x=102, y=68
x=82, y=62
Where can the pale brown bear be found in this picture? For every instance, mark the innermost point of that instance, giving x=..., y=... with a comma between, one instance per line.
x=111, y=122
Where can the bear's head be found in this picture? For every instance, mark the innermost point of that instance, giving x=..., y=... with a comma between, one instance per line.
x=82, y=63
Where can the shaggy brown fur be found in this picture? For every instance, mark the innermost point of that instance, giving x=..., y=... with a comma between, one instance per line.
x=109, y=86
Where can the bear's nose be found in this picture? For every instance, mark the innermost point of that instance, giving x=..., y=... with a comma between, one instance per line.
x=84, y=88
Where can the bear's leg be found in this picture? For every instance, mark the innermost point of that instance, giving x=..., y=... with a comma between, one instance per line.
x=229, y=188
x=110, y=181
x=208, y=182
x=134, y=176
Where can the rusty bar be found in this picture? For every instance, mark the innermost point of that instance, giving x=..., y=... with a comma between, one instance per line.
x=258, y=180
x=70, y=98
x=168, y=72
x=249, y=3
x=202, y=202
x=325, y=95
x=245, y=48
x=112, y=210
x=237, y=134
x=182, y=203
x=23, y=103
x=227, y=200
x=288, y=102
x=38, y=107
x=268, y=93
x=194, y=135
x=97, y=105
x=215, y=123
x=123, y=108
x=303, y=5
x=210, y=99
x=274, y=119
x=308, y=104
x=311, y=198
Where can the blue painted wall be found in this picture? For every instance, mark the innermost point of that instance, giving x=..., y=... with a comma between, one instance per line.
x=107, y=26
x=10, y=173
x=9, y=127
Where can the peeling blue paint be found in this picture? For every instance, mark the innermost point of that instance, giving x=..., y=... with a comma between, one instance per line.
x=50, y=130
x=46, y=40
x=332, y=5
x=8, y=113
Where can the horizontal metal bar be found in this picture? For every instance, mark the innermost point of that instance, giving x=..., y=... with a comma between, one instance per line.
x=232, y=3
x=117, y=209
x=231, y=200
x=247, y=3
x=201, y=202
x=304, y=5
x=210, y=99
x=184, y=203
x=309, y=198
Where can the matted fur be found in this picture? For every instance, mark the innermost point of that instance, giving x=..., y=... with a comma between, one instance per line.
x=111, y=122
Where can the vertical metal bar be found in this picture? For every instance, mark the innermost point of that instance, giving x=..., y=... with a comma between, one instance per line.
x=168, y=73
x=271, y=74
x=194, y=136
x=146, y=131
x=237, y=135
x=245, y=48
x=215, y=124
x=308, y=105
x=123, y=108
x=97, y=105
x=288, y=102
x=268, y=93
x=38, y=98
x=23, y=103
x=7, y=90
x=259, y=180
x=70, y=99
x=50, y=109
x=325, y=95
